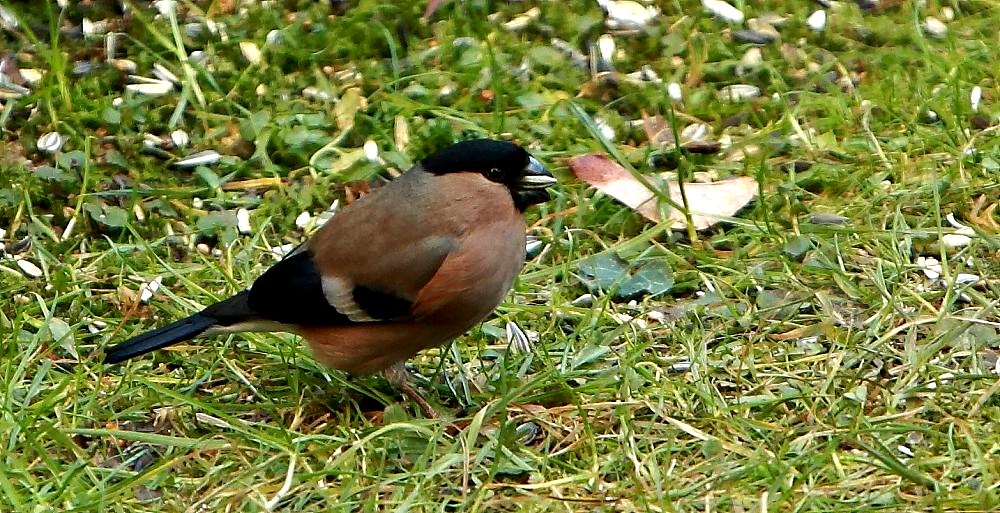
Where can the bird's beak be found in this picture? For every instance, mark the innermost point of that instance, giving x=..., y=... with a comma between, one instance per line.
x=536, y=176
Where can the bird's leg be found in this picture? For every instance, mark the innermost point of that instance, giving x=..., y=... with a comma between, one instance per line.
x=399, y=376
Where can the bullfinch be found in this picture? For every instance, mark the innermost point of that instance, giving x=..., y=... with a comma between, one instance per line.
x=409, y=266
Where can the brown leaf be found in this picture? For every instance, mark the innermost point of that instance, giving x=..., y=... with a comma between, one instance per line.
x=709, y=201
x=657, y=130
x=432, y=5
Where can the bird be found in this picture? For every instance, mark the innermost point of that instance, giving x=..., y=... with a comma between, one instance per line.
x=411, y=265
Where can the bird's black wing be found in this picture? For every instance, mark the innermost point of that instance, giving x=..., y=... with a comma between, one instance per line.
x=293, y=292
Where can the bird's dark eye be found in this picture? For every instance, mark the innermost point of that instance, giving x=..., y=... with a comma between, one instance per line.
x=494, y=174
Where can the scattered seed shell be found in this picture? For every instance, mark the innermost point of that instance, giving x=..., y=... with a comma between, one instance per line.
x=935, y=28
x=302, y=220
x=317, y=94
x=604, y=60
x=674, y=91
x=29, y=269
x=165, y=7
x=517, y=340
x=371, y=152
x=522, y=21
x=723, y=10
x=575, y=56
x=817, y=21
x=955, y=240
x=966, y=279
x=197, y=57
x=110, y=45
x=828, y=218
x=32, y=76
x=627, y=15
x=930, y=266
x=93, y=28
x=280, y=251
x=201, y=158
x=251, y=52
x=164, y=74
x=149, y=288
x=754, y=37
x=180, y=138
x=124, y=65
x=739, y=92
x=682, y=366
x=243, y=221
x=606, y=129
x=7, y=19
x=157, y=88
x=50, y=142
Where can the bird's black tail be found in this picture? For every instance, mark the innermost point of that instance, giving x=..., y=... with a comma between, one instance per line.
x=224, y=313
x=173, y=333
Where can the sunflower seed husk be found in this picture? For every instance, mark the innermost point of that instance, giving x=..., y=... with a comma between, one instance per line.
x=674, y=91
x=149, y=288
x=723, y=10
x=124, y=65
x=7, y=19
x=828, y=218
x=164, y=74
x=817, y=21
x=316, y=94
x=753, y=37
x=81, y=68
x=627, y=15
x=935, y=28
x=522, y=21
x=110, y=45
x=517, y=340
x=94, y=28
x=32, y=76
x=575, y=56
x=739, y=92
x=29, y=268
x=930, y=267
x=197, y=57
x=371, y=152
x=50, y=142
x=165, y=7
x=243, y=221
x=251, y=52
x=180, y=138
x=201, y=158
x=155, y=88
x=604, y=54
x=303, y=219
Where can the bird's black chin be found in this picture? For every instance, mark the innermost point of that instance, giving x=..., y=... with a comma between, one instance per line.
x=525, y=198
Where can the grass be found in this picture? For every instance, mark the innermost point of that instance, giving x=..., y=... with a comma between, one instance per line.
x=793, y=365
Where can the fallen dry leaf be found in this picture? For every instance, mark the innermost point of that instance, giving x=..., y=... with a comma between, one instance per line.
x=709, y=202
x=693, y=136
x=432, y=5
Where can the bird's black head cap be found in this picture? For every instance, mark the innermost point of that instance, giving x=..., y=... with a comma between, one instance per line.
x=498, y=161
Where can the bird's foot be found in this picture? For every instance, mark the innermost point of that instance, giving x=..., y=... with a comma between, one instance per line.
x=399, y=376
